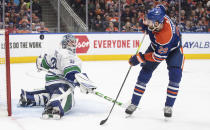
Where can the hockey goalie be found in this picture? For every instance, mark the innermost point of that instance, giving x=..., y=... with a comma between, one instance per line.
x=57, y=97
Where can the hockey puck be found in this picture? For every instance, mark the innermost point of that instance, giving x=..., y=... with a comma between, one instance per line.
x=41, y=36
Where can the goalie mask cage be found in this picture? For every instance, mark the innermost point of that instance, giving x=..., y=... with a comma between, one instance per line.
x=5, y=84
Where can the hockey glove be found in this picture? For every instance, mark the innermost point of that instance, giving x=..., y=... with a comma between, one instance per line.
x=136, y=59
x=86, y=90
x=86, y=85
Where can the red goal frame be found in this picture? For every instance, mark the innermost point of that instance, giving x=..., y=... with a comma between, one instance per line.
x=8, y=76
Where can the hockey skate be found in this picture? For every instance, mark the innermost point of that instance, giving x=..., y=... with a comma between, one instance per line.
x=24, y=102
x=51, y=113
x=168, y=111
x=130, y=109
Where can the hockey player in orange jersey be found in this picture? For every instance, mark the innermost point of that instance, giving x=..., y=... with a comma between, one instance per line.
x=165, y=45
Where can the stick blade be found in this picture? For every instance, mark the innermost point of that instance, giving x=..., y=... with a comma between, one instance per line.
x=103, y=121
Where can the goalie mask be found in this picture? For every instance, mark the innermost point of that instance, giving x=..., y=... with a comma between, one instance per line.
x=69, y=42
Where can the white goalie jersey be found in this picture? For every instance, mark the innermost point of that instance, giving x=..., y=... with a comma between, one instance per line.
x=60, y=61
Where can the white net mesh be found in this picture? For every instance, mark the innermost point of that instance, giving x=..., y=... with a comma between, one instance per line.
x=3, y=97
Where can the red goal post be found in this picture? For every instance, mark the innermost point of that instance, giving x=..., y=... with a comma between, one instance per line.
x=5, y=82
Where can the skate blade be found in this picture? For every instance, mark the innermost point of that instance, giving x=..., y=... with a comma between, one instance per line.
x=45, y=117
x=56, y=117
x=128, y=115
x=167, y=119
x=50, y=116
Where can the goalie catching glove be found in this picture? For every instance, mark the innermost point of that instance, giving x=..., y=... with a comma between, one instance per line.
x=136, y=59
x=86, y=85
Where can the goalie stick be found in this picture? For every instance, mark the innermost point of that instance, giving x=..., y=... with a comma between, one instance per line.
x=94, y=92
x=104, y=121
x=109, y=99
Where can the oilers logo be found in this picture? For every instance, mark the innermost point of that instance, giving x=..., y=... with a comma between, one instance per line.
x=162, y=50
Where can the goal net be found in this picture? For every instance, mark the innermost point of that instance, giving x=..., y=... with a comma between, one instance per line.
x=5, y=85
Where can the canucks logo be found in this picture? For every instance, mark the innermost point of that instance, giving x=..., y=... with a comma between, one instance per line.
x=54, y=62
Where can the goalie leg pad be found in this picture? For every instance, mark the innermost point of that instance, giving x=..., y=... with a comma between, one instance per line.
x=33, y=98
x=60, y=103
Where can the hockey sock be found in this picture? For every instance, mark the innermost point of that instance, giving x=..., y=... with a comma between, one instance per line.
x=143, y=79
x=138, y=92
x=175, y=74
x=172, y=92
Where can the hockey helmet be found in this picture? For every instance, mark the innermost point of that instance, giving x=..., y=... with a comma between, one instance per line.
x=157, y=14
x=69, y=42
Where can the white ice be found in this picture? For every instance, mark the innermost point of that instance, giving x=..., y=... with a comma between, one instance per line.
x=191, y=110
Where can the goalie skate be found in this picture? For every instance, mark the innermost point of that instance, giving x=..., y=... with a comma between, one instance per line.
x=23, y=102
x=51, y=113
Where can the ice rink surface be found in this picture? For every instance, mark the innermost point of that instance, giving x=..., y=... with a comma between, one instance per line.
x=191, y=110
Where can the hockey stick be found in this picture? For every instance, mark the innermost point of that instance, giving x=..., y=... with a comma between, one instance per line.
x=104, y=121
x=94, y=92
x=109, y=99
